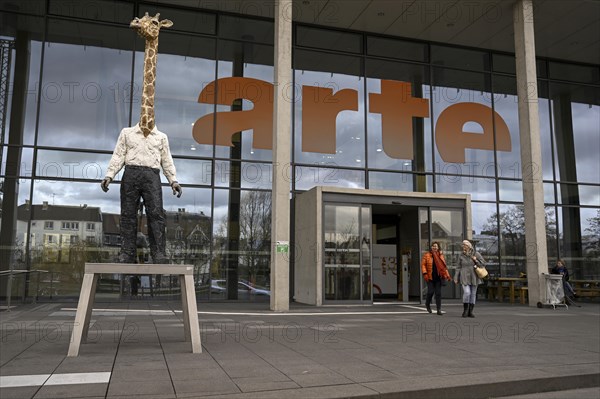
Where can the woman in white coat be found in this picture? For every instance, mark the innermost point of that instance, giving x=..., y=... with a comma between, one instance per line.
x=468, y=261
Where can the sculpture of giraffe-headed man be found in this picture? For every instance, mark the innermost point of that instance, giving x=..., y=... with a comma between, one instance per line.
x=144, y=150
x=148, y=28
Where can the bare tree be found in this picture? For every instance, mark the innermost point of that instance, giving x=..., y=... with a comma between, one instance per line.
x=592, y=242
x=511, y=229
x=255, y=232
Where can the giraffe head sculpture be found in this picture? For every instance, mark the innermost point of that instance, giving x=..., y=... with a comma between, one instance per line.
x=148, y=28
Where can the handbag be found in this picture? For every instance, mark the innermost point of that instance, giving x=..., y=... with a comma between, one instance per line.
x=481, y=272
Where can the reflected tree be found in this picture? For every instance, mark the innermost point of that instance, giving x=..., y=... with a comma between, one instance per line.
x=78, y=254
x=65, y=263
x=255, y=233
x=510, y=227
x=348, y=239
x=346, y=274
x=253, y=255
x=591, y=248
x=592, y=238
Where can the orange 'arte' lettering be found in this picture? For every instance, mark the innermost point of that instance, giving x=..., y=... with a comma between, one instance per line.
x=320, y=108
x=260, y=118
x=319, y=111
x=397, y=108
x=452, y=141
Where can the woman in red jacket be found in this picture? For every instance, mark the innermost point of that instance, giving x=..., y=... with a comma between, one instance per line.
x=433, y=267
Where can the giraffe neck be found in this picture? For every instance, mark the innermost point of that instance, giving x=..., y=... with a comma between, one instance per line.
x=147, y=114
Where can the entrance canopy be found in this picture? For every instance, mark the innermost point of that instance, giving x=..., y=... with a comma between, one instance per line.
x=335, y=237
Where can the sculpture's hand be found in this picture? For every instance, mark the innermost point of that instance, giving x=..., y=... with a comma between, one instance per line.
x=177, y=189
x=105, y=183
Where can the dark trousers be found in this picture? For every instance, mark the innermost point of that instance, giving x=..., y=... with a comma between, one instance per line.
x=434, y=287
x=569, y=292
x=141, y=182
x=134, y=282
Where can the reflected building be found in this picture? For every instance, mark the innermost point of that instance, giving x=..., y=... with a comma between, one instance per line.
x=406, y=118
x=111, y=231
x=188, y=239
x=54, y=232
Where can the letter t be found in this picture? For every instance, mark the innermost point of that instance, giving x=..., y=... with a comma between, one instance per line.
x=397, y=108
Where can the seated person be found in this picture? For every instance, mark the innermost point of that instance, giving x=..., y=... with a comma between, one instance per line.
x=560, y=268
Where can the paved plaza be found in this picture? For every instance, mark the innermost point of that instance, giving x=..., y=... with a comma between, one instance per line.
x=136, y=349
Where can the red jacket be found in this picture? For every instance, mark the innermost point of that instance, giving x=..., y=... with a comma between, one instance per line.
x=427, y=267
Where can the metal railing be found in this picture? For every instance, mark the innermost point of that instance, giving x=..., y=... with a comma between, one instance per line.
x=9, y=285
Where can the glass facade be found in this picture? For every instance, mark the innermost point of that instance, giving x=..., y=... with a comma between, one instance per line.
x=73, y=81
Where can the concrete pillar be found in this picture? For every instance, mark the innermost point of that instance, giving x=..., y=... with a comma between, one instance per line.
x=531, y=154
x=282, y=127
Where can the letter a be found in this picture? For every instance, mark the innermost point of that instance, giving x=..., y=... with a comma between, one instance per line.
x=260, y=118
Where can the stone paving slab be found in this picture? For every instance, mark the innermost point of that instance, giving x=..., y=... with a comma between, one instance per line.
x=67, y=391
x=270, y=383
x=18, y=393
x=586, y=393
x=377, y=351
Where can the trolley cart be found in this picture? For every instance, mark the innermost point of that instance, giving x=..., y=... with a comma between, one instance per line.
x=555, y=293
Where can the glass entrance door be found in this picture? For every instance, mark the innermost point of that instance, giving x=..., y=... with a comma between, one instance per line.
x=347, y=252
x=447, y=227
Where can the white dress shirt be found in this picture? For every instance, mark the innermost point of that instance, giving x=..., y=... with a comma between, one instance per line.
x=134, y=149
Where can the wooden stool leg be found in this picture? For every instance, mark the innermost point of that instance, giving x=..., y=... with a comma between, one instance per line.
x=184, y=308
x=192, y=314
x=90, y=308
x=84, y=311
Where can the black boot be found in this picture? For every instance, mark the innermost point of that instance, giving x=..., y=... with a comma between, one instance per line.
x=465, y=309
x=471, y=306
x=428, y=306
x=439, y=312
